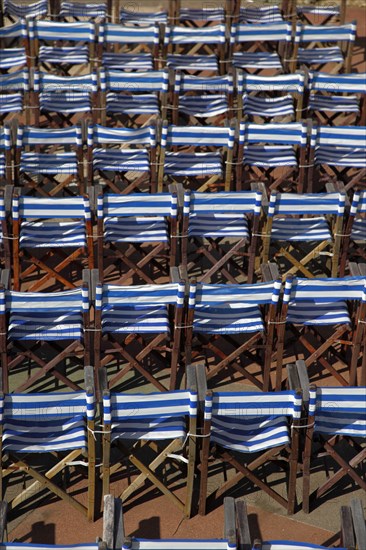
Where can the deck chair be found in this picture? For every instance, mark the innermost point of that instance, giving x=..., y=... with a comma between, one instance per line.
x=331, y=97
x=195, y=49
x=141, y=326
x=125, y=47
x=200, y=156
x=48, y=161
x=52, y=241
x=251, y=430
x=259, y=47
x=215, y=218
x=137, y=236
x=6, y=160
x=270, y=97
x=79, y=11
x=337, y=153
x=198, y=98
x=353, y=244
x=62, y=98
x=335, y=434
x=333, y=45
x=56, y=428
x=163, y=425
x=124, y=158
x=274, y=153
x=44, y=333
x=132, y=97
x=301, y=227
x=14, y=95
x=14, y=10
x=318, y=312
x=14, y=46
x=227, y=324
x=59, y=47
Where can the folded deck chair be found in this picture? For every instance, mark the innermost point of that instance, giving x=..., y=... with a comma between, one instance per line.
x=42, y=334
x=164, y=423
x=141, y=326
x=55, y=425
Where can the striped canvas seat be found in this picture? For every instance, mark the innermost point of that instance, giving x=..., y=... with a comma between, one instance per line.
x=256, y=60
x=205, y=14
x=142, y=104
x=327, y=92
x=260, y=14
x=13, y=87
x=270, y=156
x=252, y=423
x=318, y=10
x=128, y=61
x=218, y=225
x=181, y=62
x=23, y=11
x=341, y=156
x=336, y=104
x=316, y=56
x=5, y=152
x=291, y=545
x=268, y=106
x=2, y=165
x=64, y=54
x=139, y=17
x=13, y=45
x=10, y=57
x=308, y=229
x=359, y=230
x=136, y=229
x=204, y=106
x=180, y=544
x=78, y=9
x=120, y=160
x=193, y=164
x=355, y=230
x=56, y=234
x=46, y=163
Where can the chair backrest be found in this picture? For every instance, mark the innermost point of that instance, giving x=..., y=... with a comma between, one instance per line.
x=266, y=32
x=98, y=134
x=337, y=83
x=16, y=30
x=204, y=136
x=358, y=205
x=29, y=135
x=21, y=10
x=70, y=301
x=134, y=82
x=198, y=35
x=59, y=30
x=325, y=33
x=17, y=81
x=187, y=83
x=112, y=33
x=290, y=133
x=340, y=410
x=324, y=290
x=244, y=202
x=137, y=204
x=291, y=83
x=46, y=82
x=51, y=207
x=306, y=203
x=114, y=296
x=344, y=136
x=210, y=294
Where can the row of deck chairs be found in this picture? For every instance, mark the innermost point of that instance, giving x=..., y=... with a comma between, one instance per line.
x=273, y=46
x=152, y=441
x=288, y=157
x=148, y=332
x=131, y=97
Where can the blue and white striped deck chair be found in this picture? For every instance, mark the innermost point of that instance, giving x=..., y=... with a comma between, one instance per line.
x=53, y=238
x=301, y=227
x=138, y=17
x=353, y=245
x=260, y=426
x=200, y=156
x=56, y=428
x=318, y=312
x=124, y=158
x=77, y=44
x=136, y=96
x=195, y=49
x=14, y=47
x=65, y=97
x=328, y=95
x=215, y=218
x=79, y=11
x=6, y=160
x=337, y=153
x=335, y=414
x=259, y=46
x=333, y=45
x=274, y=153
x=39, y=168
x=228, y=321
x=166, y=424
x=142, y=329
x=5, y=250
x=138, y=47
x=15, y=10
x=14, y=90
x=269, y=97
x=199, y=97
x=320, y=12
x=137, y=236
x=39, y=323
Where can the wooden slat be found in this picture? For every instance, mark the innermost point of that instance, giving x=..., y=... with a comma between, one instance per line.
x=242, y=522
x=293, y=377
x=359, y=524
x=201, y=383
x=229, y=513
x=304, y=379
x=108, y=521
x=89, y=379
x=5, y=278
x=348, y=539
x=119, y=529
x=3, y=519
